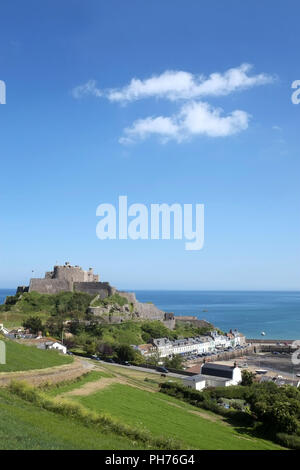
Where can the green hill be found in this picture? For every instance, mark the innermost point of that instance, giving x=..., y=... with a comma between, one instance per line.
x=20, y=357
x=26, y=426
x=167, y=417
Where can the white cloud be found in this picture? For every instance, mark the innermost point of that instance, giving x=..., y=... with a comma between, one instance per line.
x=175, y=85
x=89, y=88
x=165, y=127
x=195, y=118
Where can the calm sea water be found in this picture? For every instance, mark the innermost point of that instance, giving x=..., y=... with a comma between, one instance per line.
x=275, y=313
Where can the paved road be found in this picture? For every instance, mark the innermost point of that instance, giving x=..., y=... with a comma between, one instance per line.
x=141, y=369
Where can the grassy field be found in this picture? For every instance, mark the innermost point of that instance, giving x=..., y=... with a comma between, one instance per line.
x=66, y=387
x=20, y=357
x=25, y=426
x=166, y=416
x=133, y=402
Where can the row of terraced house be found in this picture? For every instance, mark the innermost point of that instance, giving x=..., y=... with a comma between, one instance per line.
x=165, y=347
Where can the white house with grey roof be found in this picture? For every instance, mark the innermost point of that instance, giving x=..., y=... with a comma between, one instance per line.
x=196, y=345
x=214, y=375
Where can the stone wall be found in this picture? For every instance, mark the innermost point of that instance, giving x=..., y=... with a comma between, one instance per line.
x=170, y=323
x=103, y=289
x=49, y=286
x=130, y=296
x=148, y=311
x=195, y=322
x=22, y=289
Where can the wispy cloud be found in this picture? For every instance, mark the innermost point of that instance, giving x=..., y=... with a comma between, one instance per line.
x=179, y=85
x=89, y=88
x=195, y=116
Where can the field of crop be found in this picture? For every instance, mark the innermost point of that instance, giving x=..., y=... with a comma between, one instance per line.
x=167, y=416
x=20, y=357
x=26, y=426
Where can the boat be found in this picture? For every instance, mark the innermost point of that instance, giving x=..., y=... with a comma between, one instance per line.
x=263, y=333
x=261, y=371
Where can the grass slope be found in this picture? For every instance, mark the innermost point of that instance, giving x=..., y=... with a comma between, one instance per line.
x=68, y=386
x=162, y=416
x=25, y=426
x=20, y=357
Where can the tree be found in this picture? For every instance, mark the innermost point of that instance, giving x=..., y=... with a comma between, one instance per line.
x=34, y=324
x=247, y=377
x=175, y=362
x=90, y=347
x=125, y=353
x=105, y=349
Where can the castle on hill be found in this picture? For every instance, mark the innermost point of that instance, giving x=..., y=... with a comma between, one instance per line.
x=69, y=278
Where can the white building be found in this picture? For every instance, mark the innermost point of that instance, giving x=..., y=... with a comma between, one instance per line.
x=221, y=341
x=214, y=375
x=197, y=345
x=46, y=344
x=60, y=347
x=3, y=330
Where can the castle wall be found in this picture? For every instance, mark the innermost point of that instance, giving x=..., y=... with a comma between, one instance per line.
x=49, y=286
x=148, y=311
x=69, y=273
x=130, y=296
x=103, y=289
x=22, y=289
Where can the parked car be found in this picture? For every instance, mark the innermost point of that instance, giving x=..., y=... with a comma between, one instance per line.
x=164, y=370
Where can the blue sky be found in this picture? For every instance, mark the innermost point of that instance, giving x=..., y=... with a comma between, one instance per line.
x=64, y=152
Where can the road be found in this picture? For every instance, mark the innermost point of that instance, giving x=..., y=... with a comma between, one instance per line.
x=141, y=369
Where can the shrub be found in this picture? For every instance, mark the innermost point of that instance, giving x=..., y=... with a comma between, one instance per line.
x=286, y=440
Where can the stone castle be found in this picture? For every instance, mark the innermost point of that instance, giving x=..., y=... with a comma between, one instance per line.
x=69, y=278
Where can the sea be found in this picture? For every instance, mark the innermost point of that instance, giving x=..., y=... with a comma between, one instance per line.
x=277, y=314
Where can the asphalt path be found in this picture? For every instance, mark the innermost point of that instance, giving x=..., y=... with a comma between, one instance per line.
x=141, y=369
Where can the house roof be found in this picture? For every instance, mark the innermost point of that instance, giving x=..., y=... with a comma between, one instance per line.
x=145, y=347
x=44, y=340
x=217, y=370
x=203, y=378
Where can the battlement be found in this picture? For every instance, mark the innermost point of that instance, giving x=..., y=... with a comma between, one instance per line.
x=62, y=278
x=71, y=273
